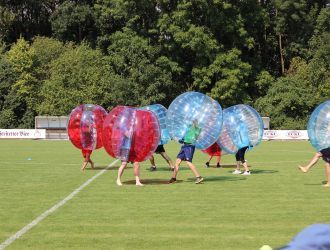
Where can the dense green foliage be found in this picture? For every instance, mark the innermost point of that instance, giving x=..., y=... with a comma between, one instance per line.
x=57, y=54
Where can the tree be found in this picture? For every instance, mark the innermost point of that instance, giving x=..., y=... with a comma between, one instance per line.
x=27, y=18
x=294, y=23
x=73, y=21
x=22, y=97
x=143, y=76
x=288, y=101
x=7, y=78
x=114, y=15
x=46, y=51
x=79, y=75
x=25, y=67
x=6, y=19
x=225, y=78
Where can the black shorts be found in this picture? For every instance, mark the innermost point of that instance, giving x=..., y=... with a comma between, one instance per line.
x=160, y=149
x=240, y=154
x=326, y=154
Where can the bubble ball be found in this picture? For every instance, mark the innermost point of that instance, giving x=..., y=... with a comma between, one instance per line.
x=85, y=126
x=160, y=112
x=195, y=106
x=130, y=134
x=213, y=150
x=242, y=127
x=318, y=127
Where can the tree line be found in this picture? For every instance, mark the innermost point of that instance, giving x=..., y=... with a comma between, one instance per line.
x=56, y=54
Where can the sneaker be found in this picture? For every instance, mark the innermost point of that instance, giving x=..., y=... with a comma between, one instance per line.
x=171, y=169
x=218, y=165
x=153, y=168
x=237, y=171
x=246, y=173
x=172, y=180
x=199, y=179
x=207, y=164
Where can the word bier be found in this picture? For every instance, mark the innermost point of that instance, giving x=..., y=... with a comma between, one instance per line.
x=22, y=133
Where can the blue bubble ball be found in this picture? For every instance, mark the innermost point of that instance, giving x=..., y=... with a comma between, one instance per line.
x=242, y=127
x=195, y=107
x=160, y=112
x=319, y=126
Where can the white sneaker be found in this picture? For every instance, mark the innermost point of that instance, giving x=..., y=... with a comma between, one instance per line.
x=246, y=173
x=237, y=171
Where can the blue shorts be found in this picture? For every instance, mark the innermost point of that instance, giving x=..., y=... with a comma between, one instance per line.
x=187, y=152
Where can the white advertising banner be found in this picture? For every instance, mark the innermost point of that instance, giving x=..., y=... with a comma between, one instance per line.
x=285, y=135
x=22, y=133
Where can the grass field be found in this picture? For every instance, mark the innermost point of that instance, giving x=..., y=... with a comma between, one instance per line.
x=226, y=212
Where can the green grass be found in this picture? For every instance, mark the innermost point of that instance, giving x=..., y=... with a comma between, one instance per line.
x=226, y=212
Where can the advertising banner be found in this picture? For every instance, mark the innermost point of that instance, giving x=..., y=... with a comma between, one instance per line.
x=22, y=133
x=285, y=135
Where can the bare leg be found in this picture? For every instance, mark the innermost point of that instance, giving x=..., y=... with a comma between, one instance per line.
x=193, y=168
x=314, y=160
x=176, y=168
x=92, y=163
x=207, y=164
x=120, y=172
x=167, y=159
x=137, y=174
x=245, y=165
x=238, y=164
x=153, y=165
x=86, y=161
x=218, y=161
x=84, y=165
x=152, y=160
x=327, y=172
x=219, y=158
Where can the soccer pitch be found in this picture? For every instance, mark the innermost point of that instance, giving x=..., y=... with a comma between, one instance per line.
x=225, y=212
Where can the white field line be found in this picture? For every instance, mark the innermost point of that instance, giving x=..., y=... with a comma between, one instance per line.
x=25, y=229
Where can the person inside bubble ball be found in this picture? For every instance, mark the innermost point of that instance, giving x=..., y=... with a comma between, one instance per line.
x=87, y=134
x=161, y=150
x=214, y=150
x=325, y=154
x=124, y=154
x=187, y=152
x=243, y=140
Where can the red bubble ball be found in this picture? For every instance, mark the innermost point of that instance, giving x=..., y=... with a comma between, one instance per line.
x=213, y=150
x=130, y=134
x=85, y=126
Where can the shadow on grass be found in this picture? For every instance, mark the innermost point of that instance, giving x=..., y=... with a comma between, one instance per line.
x=316, y=184
x=167, y=169
x=259, y=171
x=151, y=182
x=225, y=166
x=263, y=171
x=163, y=169
x=220, y=178
x=106, y=167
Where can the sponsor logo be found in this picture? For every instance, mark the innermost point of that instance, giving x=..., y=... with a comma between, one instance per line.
x=270, y=133
x=294, y=134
